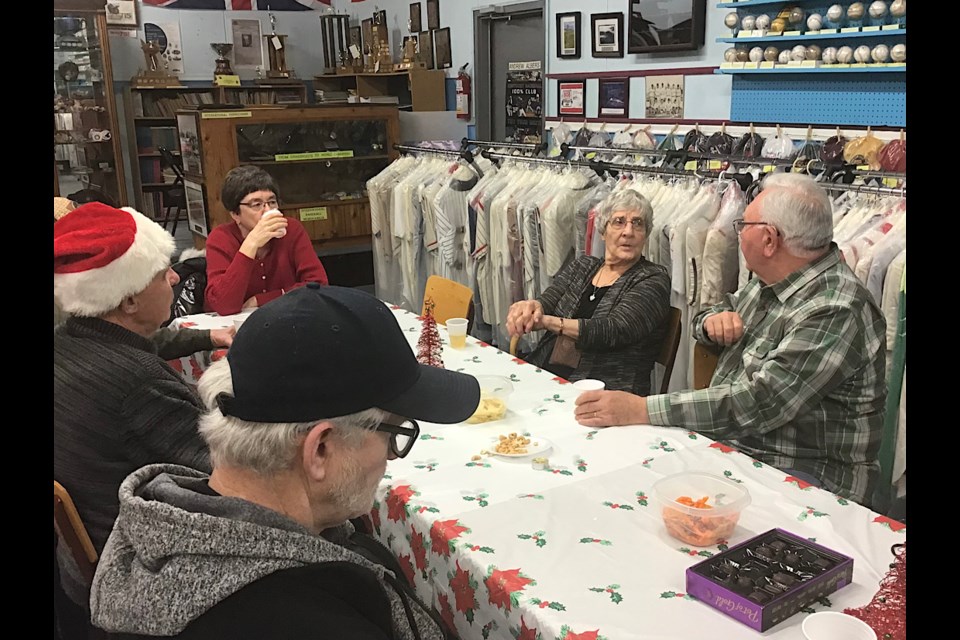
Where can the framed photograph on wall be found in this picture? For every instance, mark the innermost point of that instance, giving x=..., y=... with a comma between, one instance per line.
x=572, y=95
x=568, y=35
x=614, y=97
x=426, y=48
x=664, y=97
x=606, y=35
x=666, y=25
x=367, y=27
x=433, y=14
x=121, y=13
x=442, y=44
x=356, y=38
x=415, y=24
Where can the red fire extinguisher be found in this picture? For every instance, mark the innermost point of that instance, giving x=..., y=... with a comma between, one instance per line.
x=463, y=93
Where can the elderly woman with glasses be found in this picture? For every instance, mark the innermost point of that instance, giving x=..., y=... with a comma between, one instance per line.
x=603, y=318
x=260, y=254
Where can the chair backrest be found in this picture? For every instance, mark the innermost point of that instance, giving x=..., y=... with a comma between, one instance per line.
x=72, y=532
x=168, y=159
x=704, y=364
x=668, y=351
x=450, y=299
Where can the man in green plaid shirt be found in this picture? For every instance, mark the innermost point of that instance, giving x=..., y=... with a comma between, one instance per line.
x=800, y=384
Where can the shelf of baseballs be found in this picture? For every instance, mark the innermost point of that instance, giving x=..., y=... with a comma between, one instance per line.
x=864, y=32
x=810, y=66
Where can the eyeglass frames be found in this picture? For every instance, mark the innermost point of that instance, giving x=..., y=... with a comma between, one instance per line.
x=620, y=222
x=402, y=436
x=738, y=226
x=260, y=205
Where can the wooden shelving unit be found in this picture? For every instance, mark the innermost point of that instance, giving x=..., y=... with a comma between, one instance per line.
x=415, y=89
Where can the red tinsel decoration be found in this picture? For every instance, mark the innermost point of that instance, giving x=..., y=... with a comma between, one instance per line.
x=429, y=346
x=887, y=612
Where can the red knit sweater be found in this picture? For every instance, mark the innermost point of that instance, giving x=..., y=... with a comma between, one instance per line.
x=232, y=278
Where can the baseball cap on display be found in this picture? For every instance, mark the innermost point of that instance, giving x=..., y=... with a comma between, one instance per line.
x=321, y=352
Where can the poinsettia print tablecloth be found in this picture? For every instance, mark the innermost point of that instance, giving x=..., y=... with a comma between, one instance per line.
x=578, y=550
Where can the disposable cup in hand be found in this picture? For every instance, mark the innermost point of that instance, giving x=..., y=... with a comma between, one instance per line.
x=589, y=385
x=457, y=330
x=833, y=625
x=273, y=213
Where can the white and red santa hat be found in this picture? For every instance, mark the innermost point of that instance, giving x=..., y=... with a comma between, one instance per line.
x=101, y=255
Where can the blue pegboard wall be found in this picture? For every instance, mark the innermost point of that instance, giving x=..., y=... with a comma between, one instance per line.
x=844, y=99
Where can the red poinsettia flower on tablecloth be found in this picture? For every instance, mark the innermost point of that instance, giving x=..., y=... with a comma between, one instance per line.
x=503, y=585
x=526, y=633
x=397, y=503
x=443, y=533
x=218, y=355
x=722, y=447
x=481, y=343
x=802, y=484
x=446, y=613
x=890, y=522
x=406, y=566
x=196, y=368
x=462, y=590
x=176, y=365
x=419, y=551
x=519, y=361
x=394, y=307
x=586, y=635
x=375, y=518
x=560, y=380
x=187, y=325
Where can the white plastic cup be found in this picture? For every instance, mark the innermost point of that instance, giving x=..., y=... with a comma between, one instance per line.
x=589, y=385
x=272, y=213
x=833, y=625
x=457, y=330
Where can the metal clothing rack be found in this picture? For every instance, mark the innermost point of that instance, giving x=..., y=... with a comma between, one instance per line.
x=466, y=142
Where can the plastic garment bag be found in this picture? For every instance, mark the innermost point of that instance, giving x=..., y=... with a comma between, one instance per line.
x=559, y=135
x=778, y=146
x=864, y=150
x=720, y=143
x=893, y=156
x=695, y=140
x=623, y=139
x=832, y=152
x=643, y=139
x=750, y=145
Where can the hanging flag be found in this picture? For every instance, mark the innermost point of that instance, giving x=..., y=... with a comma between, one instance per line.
x=240, y=5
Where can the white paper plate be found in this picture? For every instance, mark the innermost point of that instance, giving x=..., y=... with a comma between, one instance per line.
x=536, y=446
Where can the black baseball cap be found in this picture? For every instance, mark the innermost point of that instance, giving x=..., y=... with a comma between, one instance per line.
x=321, y=352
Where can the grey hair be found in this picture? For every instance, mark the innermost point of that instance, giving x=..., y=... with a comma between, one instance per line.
x=800, y=209
x=264, y=447
x=626, y=200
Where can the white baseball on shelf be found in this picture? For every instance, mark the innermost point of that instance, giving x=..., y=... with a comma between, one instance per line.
x=799, y=52
x=730, y=55
x=756, y=54
x=731, y=20
x=814, y=22
x=880, y=53
x=835, y=13
x=855, y=11
x=845, y=55
x=748, y=23
x=762, y=22
x=898, y=8
x=878, y=9
x=784, y=56
x=899, y=53
x=829, y=55
x=862, y=53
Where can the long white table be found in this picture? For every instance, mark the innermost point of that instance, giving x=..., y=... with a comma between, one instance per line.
x=579, y=551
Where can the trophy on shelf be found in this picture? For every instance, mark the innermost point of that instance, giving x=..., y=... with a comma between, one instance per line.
x=156, y=74
x=223, y=75
x=334, y=29
x=380, y=51
x=279, y=72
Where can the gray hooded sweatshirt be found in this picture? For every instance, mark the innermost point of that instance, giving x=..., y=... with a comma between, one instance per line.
x=176, y=551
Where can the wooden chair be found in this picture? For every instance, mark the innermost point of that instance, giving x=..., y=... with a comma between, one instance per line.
x=514, y=341
x=704, y=364
x=668, y=350
x=72, y=532
x=450, y=299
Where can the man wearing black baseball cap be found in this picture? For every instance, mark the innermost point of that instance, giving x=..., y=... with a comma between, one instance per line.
x=318, y=391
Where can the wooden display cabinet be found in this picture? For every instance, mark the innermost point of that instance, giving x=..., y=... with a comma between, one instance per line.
x=415, y=89
x=320, y=156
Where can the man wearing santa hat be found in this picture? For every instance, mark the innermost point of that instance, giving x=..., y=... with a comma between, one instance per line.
x=117, y=405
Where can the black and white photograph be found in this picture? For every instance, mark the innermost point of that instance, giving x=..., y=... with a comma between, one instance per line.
x=606, y=34
x=367, y=27
x=615, y=97
x=664, y=97
x=426, y=48
x=568, y=35
x=666, y=25
x=189, y=144
x=415, y=24
x=433, y=14
x=121, y=13
x=247, y=44
x=442, y=44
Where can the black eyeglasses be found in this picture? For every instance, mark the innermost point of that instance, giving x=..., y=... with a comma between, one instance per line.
x=260, y=205
x=402, y=436
x=738, y=226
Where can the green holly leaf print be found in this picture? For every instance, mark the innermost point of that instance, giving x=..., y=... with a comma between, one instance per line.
x=469, y=615
x=642, y=498
x=729, y=474
x=514, y=378
x=597, y=589
x=842, y=501
x=616, y=597
x=538, y=370
x=591, y=434
x=692, y=435
x=668, y=594
x=541, y=542
x=757, y=464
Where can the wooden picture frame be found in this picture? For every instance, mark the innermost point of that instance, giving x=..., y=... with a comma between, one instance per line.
x=441, y=41
x=120, y=13
x=433, y=14
x=613, y=97
x=671, y=25
x=606, y=35
x=416, y=23
x=366, y=26
x=426, y=48
x=571, y=98
x=568, y=35
x=356, y=37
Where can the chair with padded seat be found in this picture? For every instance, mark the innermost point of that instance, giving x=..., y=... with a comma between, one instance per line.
x=704, y=364
x=450, y=299
x=668, y=350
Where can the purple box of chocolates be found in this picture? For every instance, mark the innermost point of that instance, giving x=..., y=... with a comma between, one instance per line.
x=768, y=578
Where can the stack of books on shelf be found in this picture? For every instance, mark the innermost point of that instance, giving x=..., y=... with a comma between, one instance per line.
x=329, y=97
x=375, y=99
x=153, y=106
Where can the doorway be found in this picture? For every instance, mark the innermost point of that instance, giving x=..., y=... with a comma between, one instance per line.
x=504, y=34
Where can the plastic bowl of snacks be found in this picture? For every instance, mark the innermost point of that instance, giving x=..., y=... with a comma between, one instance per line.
x=698, y=508
x=494, y=391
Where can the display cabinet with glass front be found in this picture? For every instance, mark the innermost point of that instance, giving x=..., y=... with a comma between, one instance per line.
x=85, y=135
x=320, y=157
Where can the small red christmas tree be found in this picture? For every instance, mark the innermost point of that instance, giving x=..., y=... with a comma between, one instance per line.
x=429, y=347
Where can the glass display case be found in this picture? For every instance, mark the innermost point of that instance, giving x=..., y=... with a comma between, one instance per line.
x=85, y=135
x=320, y=156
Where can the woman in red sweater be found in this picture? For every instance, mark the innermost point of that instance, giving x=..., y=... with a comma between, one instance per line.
x=256, y=257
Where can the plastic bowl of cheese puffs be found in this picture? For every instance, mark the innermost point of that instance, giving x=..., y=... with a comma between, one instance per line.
x=698, y=508
x=494, y=391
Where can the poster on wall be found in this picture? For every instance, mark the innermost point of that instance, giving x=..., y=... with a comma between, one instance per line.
x=571, y=98
x=196, y=208
x=122, y=13
x=167, y=35
x=664, y=97
x=247, y=44
x=524, y=102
